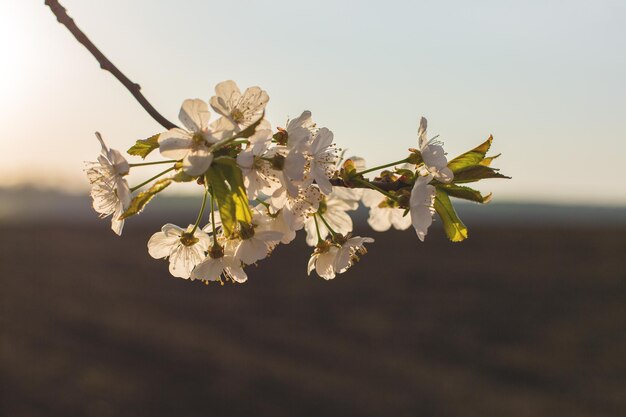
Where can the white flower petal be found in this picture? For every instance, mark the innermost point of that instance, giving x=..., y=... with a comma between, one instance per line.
x=235, y=270
x=421, y=203
x=227, y=93
x=175, y=143
x=251, y=250
x=194, y=114
x=324, y=265
x=197, y=161
x=160, y=245
x=209, y=270
x=294, y=166
x=399, y=221
x=323, y=140
x=379, y=219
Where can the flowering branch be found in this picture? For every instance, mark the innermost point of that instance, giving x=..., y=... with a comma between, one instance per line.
x=267, y=184
x=105, y=64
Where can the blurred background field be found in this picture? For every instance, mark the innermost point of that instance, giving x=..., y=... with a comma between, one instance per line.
x=526, y=318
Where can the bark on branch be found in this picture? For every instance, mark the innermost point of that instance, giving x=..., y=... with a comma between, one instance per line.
x=105, y=64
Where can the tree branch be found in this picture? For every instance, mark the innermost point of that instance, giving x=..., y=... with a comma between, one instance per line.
x=383, y=185
x=63, y=18
x=105, y=64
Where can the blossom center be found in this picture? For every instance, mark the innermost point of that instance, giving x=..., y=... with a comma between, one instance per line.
x=198, y=139
x=237, y=115
x=188, y=239
x=322, y=207
x=216, y=252
x=246, y=231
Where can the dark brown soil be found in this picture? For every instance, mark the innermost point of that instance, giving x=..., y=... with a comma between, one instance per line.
x=514, y=322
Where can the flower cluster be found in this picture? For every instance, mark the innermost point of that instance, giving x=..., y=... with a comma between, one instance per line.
x=262, y=185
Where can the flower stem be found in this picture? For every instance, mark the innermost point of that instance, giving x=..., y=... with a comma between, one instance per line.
x=143, y=164
x=213, y=219
x=267, y=206
x=135, y=188
x=220, y=144
x=383, y=166
x=373, y=187
x=330, y=229
x=239, y=141
x=195, y=226
x=317, y=228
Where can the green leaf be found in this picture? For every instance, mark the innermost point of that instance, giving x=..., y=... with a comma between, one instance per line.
x=143, y=147
x=465, y=193
x=471, y=158
x=144, y=197
x=226, y=181
x=487, y=161
x=453, y=226
x=476, y=173
x=180, y=176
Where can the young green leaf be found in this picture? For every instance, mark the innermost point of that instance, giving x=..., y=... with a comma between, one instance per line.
x=487, y=161
x=226, y=180
x=465, y=193
x=471, y=158
x=453, y=226
x=181, y=176
x=143, y=147
x=144, y=197
x=476, y=173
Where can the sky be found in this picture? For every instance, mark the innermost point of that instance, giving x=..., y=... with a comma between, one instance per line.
x=546, y=78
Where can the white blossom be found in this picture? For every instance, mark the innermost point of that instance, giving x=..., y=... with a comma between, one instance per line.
x=184, y=249
x=243, y=110
x=109, y=189
x=422, y=205
x=258, y=239
x=255, y=169
x=330, y=259
x=383, y=214
x=323, y=261
x=193, y=143
x=433, y=155
x=350, y=251
x=223, y=264
x=299, y=132
x=334, y=208
x=274, y=220
x=323, y=159
x=296, y=209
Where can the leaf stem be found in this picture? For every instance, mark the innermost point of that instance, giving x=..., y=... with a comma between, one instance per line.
x=195, y=226
x=135, y=188
x=383, y=166
x=143, y=164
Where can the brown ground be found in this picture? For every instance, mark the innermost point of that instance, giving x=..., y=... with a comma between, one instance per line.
x=514, y=322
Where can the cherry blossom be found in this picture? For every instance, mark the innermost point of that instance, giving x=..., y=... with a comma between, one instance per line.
x=109, y=189
x=185, y=248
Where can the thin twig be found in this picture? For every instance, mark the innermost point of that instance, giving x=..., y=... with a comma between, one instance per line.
x=105, y=64
x=383, y=185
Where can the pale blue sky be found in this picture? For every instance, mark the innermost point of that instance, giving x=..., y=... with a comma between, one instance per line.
x=546, y=78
